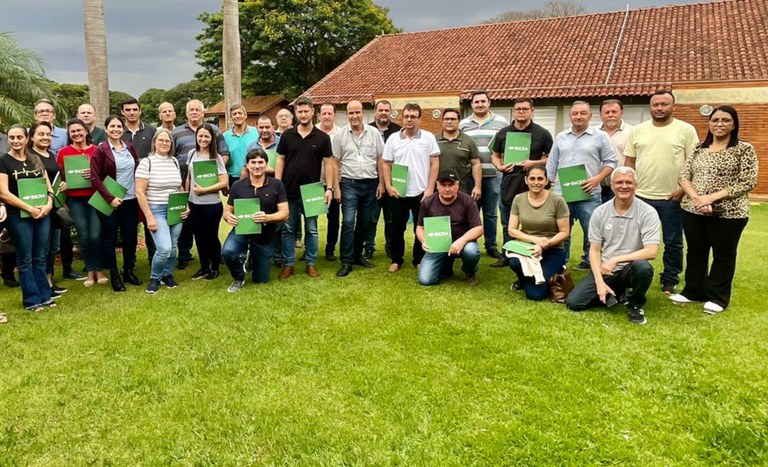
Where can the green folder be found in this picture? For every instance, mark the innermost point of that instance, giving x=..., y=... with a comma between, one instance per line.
x=33, y=191
x=59, y=197
x=245, y=208
x=73, y=170
x=98, y=201
x=272, y=154
x=437, y=233
x=520, y=247
x=177, y=203
x=313, y=198
x=571, y=179
x=399, y=178
x=206, y=173
x=517, y=147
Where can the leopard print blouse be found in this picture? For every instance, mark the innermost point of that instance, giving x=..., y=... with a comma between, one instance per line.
x=733, y=169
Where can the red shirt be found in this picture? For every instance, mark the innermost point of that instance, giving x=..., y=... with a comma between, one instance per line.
x=72, y=151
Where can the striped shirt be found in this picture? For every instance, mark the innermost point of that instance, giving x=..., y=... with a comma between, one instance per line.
x=163, y=175
x=483, y=134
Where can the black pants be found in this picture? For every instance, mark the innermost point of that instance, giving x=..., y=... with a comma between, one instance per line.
x=332, y=235
x=149, y=242
x=185, y=242
x=705, y=233
x=634, y=280
x=204, y=220
x=125, y=218
x=8, y=259
x=401, y=209
x=65, y=247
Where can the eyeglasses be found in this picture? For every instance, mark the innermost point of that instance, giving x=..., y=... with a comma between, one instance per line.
x=522, y=109
x=411, y=117
x=721, y=121
x=43, y=112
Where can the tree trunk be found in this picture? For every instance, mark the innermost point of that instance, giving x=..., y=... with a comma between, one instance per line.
x=231, y=56
x=96, y=57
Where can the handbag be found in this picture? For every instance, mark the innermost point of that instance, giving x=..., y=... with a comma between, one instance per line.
x=560, y=285
x=6, y=245
x=64, y=217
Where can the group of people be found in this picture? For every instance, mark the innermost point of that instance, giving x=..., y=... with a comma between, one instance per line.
x=639, y=186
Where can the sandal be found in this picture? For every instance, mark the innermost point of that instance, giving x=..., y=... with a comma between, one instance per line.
x=88, y=283
x=50, y=304
x=3, y=318
x=102, y=280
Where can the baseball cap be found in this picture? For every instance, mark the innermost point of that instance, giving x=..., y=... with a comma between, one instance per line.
x=447, y=174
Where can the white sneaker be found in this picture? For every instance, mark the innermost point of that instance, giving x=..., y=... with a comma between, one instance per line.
x=712, y=308
x=680, y=299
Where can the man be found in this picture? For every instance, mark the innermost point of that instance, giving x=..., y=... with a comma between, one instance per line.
x=582, y=144
x=624, y=238
x=513, y=175
x=357, y=148
x=4, y=148
x=184, y=141
x=238, y=139
x=482, y=126
x=268, y=141
x=386, y=127
x=167, y=115
x=284, y=121
x=459, y=153
x=418, y=151
x=87, y=114
x=328, y=126
x=44, y=112
x=138, y=133
x=300, y=154
x=466, y=228
x=657, y=149
x=256, y=248
x=612, y=116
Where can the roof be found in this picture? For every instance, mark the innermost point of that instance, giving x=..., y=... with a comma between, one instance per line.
x=253, y=104
x=632, y=52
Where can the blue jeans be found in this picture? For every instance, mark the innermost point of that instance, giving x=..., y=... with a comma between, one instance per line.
x=581, y=211
x=671, y=217
x=166, y=238
x=31, y=239
x=358, y=198
x=435, y=266
x=634, y=279
x=551, y=263
x=489, y=204
x=295, y=211
x=234, y=253
x=88, y=232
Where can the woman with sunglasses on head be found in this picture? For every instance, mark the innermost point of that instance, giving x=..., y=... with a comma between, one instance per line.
x=30, y=234
x=117, y=159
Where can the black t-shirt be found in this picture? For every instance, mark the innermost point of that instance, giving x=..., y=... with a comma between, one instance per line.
x=303, y=158
x=16, y=170
x=392, y=128
x=513, y=183
x=270, y=195
x=51, y=167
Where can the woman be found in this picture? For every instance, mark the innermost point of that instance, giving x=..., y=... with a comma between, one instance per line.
x=39, y=144
x=158, y=176
x=116, y=159
x=716, y=179
x=3, y=216
x=539, y=217
x=30, y=235
x=205, y=209
x=86, y=219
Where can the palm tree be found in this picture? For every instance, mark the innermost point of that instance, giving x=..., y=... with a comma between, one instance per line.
x=23, y=81
x=231, y=55
x=96, y=56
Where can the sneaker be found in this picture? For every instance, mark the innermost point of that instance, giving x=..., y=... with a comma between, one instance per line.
x=680, y=299
x=54, y=295
x=75, y=275
x=212, y=274
x=368, y=255
x=169, y=282
x=200, y=274
x=636, y=314
x=668, y=289
x=59, y=290
x=517, y=285
x=583, y=266
x=153, y=286
x=235, y=286
x=712, y=308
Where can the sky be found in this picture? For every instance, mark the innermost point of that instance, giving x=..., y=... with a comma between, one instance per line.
x=152, y=43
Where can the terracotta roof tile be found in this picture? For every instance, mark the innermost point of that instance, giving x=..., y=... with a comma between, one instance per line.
x=253, y=104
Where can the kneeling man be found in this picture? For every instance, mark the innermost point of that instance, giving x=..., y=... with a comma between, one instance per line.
x=466, y=228
x=624, y=236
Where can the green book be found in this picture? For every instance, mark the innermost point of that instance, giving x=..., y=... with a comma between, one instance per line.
x=272, y=154
x=177, y=203
x=59, y=197
x=98, y=201
x=399, y=178
x=313, y=198
x=206, y=173
x=33, y=191
x=437, y=233
x=245, y=208
x=73, y=170
x=520, y=247
x=571, y=179
x=517, y=147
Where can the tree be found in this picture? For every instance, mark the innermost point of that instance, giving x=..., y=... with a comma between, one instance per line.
x=231, y=55
x=69, y=96
x=96, y=56
x=22, y=81
x=552, y=9
x=288, y=45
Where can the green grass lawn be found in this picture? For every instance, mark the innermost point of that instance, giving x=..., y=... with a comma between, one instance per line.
x=374, y=369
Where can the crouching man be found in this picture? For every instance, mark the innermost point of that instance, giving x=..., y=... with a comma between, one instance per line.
x=624, y=236
x=466, y=228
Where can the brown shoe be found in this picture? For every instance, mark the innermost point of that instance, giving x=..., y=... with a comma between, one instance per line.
x=471, y=280
x=312, y=271
x=502, y=263
x=286, y=272
x=394, y=267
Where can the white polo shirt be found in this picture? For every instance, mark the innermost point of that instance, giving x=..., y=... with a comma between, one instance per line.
x=415, y=154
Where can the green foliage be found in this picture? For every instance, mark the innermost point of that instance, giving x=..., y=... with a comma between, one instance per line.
x=22, y=81
x=150, y=101
x=69, y=97
x=208, y=90
x=288, y=45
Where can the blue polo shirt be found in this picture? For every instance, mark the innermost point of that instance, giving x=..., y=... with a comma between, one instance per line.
x=238, y=148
